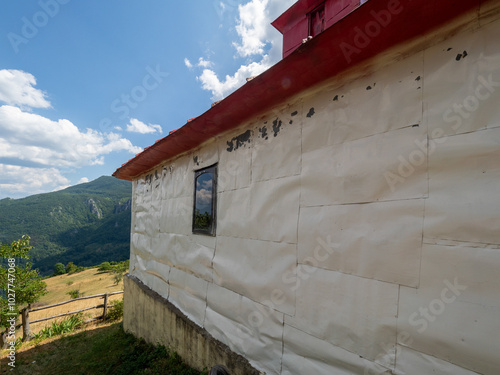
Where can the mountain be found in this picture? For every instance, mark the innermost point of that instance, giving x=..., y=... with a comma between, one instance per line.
x=86, y=224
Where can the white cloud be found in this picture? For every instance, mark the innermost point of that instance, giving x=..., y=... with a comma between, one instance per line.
x=203, y=197
x=204, y=63
x=18, y=181
x=188, y=63
x=16, y=88
x=83, y=180
x=35, y=151
x=33, y=139
x=252, y=27
x=137, y=126
x=220, y=89
x=207, y=184
x=256, y=36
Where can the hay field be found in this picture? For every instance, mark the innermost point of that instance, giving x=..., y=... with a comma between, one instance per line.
x=88, y=282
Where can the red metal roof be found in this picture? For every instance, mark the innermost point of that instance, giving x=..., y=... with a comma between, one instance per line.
x=320, y=58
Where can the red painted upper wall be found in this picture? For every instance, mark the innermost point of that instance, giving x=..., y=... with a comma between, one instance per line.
x=309, y=18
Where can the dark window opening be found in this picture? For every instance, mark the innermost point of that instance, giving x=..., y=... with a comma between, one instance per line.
x=317, y=21
x=205, y=196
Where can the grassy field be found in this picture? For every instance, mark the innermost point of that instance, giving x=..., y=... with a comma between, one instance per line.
x=96, y=348
x=88, y=282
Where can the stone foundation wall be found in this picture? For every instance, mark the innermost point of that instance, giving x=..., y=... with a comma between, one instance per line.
x=148, y=315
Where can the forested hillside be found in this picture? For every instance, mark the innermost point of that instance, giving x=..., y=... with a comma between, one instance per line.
x=86, y=224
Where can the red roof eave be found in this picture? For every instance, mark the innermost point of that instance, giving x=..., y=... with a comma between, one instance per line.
x=320, y=58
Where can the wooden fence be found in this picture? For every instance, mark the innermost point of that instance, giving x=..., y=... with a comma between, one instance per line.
x=25, y=313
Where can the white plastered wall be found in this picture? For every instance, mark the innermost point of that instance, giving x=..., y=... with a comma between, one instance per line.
x=358, y=226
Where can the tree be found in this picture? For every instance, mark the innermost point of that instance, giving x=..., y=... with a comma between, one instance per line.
x=104, y=266
x=20, y=284
x=71, y=268
x=59, y=269
x=118, y=276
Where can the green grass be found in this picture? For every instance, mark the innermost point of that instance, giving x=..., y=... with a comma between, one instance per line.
x=104, y=350
x=115, y=312
x=66, y=326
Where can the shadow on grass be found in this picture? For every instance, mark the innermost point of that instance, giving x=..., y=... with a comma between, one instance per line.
x=106, y=350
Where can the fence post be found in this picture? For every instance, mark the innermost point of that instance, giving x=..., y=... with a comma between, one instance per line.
x=105, y=307
x=27, y=336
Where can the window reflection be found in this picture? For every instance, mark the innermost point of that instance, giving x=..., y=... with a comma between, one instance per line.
x=204, y=203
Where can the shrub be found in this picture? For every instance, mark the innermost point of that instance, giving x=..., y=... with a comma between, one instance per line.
x=66, y=326
x=122, y=266
x=69, y=282
x=115, y=312
x=71, y=268
x=118, y=276
x=104, y=266
x=59, y=269
x=114, y=266
x=75, y=293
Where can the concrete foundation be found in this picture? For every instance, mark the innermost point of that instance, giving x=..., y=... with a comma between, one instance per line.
x=148, y=315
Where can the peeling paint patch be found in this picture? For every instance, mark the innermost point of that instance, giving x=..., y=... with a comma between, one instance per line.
x=368, y=87
x=461, y=55
x=263, y=132
x=294, y=113
x=418, y=78
x=336, y=98
x=195, y=160
x=290, y=122
x=239, y=141
x=449, y=49
x=311, y=112
x=276, y=126
x=415, y=125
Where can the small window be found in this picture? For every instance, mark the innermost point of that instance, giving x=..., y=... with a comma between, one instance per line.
x=205, y=196
x=317, y=21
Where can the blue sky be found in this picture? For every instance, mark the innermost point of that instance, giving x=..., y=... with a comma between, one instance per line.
x=85, y=85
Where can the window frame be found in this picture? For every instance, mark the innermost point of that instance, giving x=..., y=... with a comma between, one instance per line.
x=212, y=230
x=310, y=19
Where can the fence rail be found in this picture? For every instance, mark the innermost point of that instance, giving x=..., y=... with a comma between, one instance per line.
x=25, y=313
